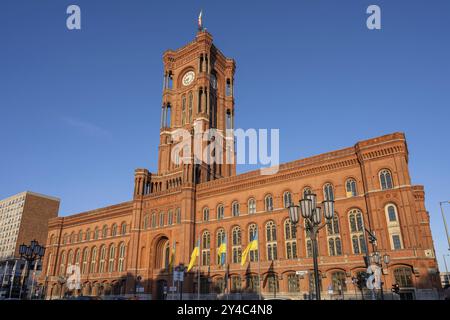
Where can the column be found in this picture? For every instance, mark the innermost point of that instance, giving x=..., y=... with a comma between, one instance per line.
x=204, y=97
x=163, y=120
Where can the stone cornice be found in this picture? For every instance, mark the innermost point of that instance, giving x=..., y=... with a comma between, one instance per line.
x=122, y=209
x=347, y=157
x=241, y=183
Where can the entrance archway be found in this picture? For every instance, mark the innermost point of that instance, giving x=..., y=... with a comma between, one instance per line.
x=162, y=257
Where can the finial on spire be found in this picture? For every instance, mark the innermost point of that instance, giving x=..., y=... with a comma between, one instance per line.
x=200, y=21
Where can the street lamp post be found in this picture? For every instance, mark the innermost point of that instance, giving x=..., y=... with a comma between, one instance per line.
x=312, y=214
x=30, y=254
x=378, y=260
x=445, y=222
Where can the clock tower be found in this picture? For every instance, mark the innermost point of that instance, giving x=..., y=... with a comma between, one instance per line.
x=197, y=96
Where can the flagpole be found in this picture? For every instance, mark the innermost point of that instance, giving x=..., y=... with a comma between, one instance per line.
x=32, y=279
x=4, y=273
x=227, y=267
x=259, y=269
x=198, y=289
x=22, y=278
x=12, y=278
x=173, y=270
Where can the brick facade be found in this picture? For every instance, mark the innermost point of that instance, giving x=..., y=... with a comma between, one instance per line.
x=383, y=199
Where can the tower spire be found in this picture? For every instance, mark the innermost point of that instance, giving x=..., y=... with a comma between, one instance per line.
x=200, y=21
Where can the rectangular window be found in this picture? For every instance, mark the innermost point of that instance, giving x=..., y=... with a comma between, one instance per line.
x=396, y=242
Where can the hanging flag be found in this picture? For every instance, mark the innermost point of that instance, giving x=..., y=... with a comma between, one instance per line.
x=172, y=258
x=222, y=250
x=252, y=245
x=200, y=22
x=194, y=255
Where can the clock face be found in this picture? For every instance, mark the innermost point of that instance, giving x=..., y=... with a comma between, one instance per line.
x=188, y=78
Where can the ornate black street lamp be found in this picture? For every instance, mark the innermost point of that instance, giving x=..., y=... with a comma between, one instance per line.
x=30, y=254
x=378, y=260
x=312, y=214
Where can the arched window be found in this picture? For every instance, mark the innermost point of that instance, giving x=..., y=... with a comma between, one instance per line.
x=80, y=236
x=251, y=206
x=206, y=248
x=309, y=244
x=306, y=191
x=403, y=277
x=88, y=235
x=293, y=285
x=146, y=222
x=357, y=231
x=391, y=211
x=178, y=214
x=121, y=266
x=96, y=233
x=191, y=100
x=252, y=283
x=170, y=218
x=271, y=240
x=287, y=199
x=268, y=200
x=52, y=239
x=112, y=258
x=338, y=279
x=290, y=239
x=65, y=237
x=272, y=282
x=236, y=284
x=92, y=268
x=236, y=244
x=72, y=237
x=393, y=225
x=228, y=88
x=350, y=188
x=62, y=266
x=77, y=257
x=84, y=265
x=123, y=228
x=206, y=214
x=105, y=231
x=220, y=213
x=70, y=258
x=252, y=234
x=220, y=240
x=334, y=239
x=49, y=263
x=161, y=219
x=183, y=110
x=235, y=208
x=102, y=259
x=385, y=179
x=328, y=193
x=154, y=220
x=114, y=230
x=219, y=285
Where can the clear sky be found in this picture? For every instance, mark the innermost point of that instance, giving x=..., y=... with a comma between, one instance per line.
x=80, y=110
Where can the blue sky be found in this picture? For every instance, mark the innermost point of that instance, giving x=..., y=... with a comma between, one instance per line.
x=80, y=110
